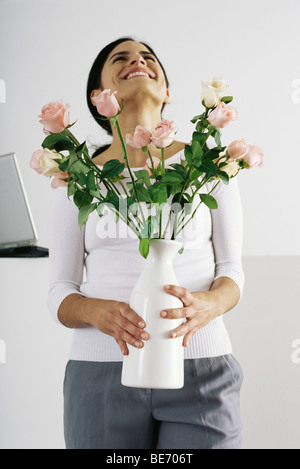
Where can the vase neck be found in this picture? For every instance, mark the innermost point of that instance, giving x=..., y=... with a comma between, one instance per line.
x=163, y=249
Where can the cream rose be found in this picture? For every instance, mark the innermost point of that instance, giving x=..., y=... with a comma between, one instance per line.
x=231, y=168
x=46, y=162
x=213, y=91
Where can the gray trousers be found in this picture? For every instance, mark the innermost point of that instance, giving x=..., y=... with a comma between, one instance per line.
x=100, y=413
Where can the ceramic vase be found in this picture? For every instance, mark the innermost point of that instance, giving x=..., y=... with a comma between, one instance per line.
x=159, y=364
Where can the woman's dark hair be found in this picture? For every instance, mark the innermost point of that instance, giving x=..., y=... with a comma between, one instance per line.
x=94, y=79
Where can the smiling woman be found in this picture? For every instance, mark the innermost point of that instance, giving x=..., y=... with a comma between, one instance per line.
x=99, y=411
x=117, y=54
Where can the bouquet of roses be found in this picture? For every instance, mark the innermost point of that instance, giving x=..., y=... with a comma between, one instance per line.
x=181, y=186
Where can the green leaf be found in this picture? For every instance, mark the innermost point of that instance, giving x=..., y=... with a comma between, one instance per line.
x=82, y=179
x=142, y=193
x=79, y=167
x=211, y=154
x=158, y=193
x=144, y=247
x=200, y=137
x=178, y=199
x=90, y=181
x=95, y=193
x=196, y=118
x=112, y=168
x=64, y=166
x=71, y=189
x=179, y=168
x=217, y=137
x=153, y=226
x=100, y=209
x=196, y=149
x=172, y=177
x=57, y=142
x=208, y=167
x=243, y=164
x=181, y=250
x=144, y=176
x=224, y=177
x=84, y=213
x=81, y=148
x=64, y=145
x=227, y=99
x=188, y=154
x=209, y=201
x=82, y=198
x=195, y=174
x=113, y=200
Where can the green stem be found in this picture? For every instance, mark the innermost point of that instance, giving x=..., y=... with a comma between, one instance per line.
x=128, y=167
x=169, y=221
x=71, y=137
x=150, y=156
x=174, y=234
x=162, y=161
x=160, y=222
x=194, y=212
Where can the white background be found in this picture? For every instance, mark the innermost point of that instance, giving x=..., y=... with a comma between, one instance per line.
x=48, y=46
x=46, y=50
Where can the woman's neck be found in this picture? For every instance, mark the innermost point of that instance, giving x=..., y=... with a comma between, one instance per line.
x=131, y=116
x=128, y=122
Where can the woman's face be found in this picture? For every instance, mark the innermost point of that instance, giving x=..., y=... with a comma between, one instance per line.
x=134, y=72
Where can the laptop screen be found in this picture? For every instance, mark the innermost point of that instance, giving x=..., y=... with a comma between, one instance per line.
x=16, y=226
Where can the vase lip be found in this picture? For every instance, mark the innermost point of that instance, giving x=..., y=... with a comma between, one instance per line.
x=165, y=241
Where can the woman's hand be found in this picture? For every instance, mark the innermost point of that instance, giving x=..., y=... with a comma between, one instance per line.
x=117, y=319
x=112, y=317
x=200, y=308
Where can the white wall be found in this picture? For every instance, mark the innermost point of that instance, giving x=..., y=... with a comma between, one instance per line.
x=48, y=46
x=46, y=50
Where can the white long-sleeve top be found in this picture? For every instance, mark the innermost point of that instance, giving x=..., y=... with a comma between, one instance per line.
x=102, y=260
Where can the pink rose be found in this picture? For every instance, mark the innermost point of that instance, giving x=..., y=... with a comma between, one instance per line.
x=222, y=115
x=34, y=162
x=58, y=180
x=55, y=116
x=254, y=156
x=148, y=164
x=237, y=149
x=141, y=137
x=164, y=134
x=106, y=103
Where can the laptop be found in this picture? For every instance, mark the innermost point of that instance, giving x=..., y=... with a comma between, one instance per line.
x=18, y=236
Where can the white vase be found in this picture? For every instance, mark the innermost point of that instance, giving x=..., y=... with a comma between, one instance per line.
x=159, y=364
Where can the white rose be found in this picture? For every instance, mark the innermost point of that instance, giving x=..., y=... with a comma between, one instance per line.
x=47, y=164
x=231, y=168
x=213, y=91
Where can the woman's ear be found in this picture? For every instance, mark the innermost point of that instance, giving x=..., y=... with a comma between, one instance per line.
x=93, y=94
x=167, y=98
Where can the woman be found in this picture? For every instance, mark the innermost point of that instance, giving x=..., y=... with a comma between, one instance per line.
x=99, y=411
